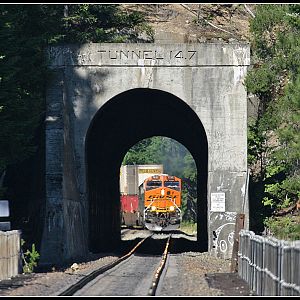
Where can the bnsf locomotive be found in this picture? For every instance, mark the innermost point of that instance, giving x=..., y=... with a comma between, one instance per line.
x=161, y=198
x=149, y=198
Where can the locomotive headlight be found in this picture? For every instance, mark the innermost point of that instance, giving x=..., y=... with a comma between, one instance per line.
x=172, y=208
x=153, y=208
x=162, y=192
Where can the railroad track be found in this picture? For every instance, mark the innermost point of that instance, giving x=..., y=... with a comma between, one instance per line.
x=159, y=270
x=134, y=274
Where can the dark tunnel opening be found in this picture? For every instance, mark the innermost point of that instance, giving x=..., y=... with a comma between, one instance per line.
x=119, y=124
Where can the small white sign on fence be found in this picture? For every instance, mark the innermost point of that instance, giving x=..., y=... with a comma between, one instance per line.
x=4, y=208
x=217, y=202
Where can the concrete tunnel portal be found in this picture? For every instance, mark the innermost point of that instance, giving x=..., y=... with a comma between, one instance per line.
x=105, y=97
x=120, y=123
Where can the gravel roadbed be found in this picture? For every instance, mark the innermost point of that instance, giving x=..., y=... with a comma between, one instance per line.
x=188, y=274
x=50, y=283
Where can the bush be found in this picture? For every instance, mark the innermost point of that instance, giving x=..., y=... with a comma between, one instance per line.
x=285, y=228
x=30, y=258
x=188, y=227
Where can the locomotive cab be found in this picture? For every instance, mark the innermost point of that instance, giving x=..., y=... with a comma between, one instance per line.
x=162, y=202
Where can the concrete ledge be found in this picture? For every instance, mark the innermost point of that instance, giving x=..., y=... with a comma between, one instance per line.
x=144, y=54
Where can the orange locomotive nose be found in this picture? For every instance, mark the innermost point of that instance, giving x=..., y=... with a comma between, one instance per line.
x=162, y=201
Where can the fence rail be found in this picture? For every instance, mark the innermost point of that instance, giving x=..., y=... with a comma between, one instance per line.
x=270, y=266
x=10, y=253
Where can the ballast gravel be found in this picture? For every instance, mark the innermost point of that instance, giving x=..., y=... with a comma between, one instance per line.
x=188, y=274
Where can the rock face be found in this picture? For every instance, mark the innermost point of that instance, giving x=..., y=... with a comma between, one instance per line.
x=190, y=23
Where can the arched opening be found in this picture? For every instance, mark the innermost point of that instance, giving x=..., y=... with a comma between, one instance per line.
x=155, y=156
x=123, y=121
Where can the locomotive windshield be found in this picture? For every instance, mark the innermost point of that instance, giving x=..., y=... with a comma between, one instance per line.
x=153, y=185
x=173, y=185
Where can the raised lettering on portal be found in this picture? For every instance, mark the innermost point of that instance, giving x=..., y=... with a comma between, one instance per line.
x=147, y=54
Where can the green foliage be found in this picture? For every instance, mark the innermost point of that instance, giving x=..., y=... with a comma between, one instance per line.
x=273, y=138
x=188, y=227
x=286, y=228
x=101, y=23
x=256, y=142
x=30, y=258
x=162, y=150
x=259, y=81
x=146, y=151
x=20, y=95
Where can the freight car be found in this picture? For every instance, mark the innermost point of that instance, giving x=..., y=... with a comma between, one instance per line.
x=131, y=211
x=131, y=177
x=161, y=196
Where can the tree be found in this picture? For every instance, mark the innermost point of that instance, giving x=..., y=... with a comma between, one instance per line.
x=145, y=151
x=25, y=32
x=274, y=137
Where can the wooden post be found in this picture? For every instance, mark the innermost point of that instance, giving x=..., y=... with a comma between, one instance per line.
x=239, y=224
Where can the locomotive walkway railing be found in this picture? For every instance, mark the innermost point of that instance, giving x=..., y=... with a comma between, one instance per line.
x=270, y=266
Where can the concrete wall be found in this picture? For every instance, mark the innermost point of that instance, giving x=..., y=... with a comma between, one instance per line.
x=208, y=77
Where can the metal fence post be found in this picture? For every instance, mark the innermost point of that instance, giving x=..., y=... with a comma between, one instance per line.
x=9, y=253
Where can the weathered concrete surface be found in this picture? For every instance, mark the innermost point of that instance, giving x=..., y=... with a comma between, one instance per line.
x=207, y=77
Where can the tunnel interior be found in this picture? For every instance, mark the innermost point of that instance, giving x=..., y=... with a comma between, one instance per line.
x=119, y=124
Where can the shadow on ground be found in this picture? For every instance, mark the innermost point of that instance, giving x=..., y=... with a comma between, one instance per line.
x=231, y=284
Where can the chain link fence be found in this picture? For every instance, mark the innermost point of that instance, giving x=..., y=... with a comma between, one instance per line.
x=270, y=266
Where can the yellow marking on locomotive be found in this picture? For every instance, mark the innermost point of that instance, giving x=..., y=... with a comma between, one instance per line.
x=161, y=204
x=163, y=198
x=153, y=171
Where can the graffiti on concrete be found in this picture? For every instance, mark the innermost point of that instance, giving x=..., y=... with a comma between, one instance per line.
x=222, y=226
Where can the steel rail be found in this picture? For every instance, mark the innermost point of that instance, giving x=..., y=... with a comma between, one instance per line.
x=82, y=282
x=159, y=270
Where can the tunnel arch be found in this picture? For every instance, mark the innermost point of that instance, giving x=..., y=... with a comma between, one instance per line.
x=120, y=123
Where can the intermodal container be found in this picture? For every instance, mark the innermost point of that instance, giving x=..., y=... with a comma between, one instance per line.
x=129, y=203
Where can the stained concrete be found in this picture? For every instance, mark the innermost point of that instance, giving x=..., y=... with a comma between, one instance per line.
x=103, y=98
